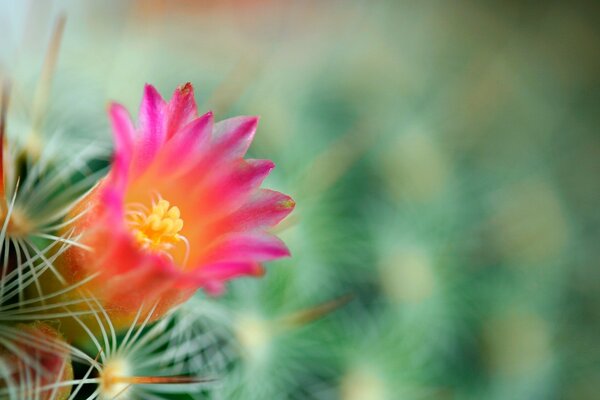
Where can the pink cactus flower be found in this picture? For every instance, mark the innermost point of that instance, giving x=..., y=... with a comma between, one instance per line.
x=180, y=209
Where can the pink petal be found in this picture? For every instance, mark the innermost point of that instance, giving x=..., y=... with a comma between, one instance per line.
x=231, y=140
x=151, y=129
x=226, y=271
x=229, y=187
x=124, y=135
x=112, y=203
x=123, y=130
x=181, y=109
x=233, y=136
x=266, y=209
x=247, y=246
x=183, y=149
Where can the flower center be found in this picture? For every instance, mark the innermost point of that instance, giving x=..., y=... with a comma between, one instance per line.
x=112, y=383
x=156, y=228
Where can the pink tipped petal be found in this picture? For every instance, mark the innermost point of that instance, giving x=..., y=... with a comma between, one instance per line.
x=231, y=139
x=182, y=149
x=228, y=270
x=123, y=130
x=266, y=209
x=245, y=175
x=181, y=109
x=234, y=136
x=257, y=247
x=124, y=135
x=152, y=128
x=229, y=189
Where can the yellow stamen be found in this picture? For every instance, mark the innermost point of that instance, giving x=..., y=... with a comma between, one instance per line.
x=156, y=229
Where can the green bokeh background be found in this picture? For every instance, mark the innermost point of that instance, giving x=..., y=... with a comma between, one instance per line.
x=445, y=160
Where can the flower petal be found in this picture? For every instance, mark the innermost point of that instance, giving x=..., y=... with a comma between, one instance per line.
x=180, y=110
x=231, y=139
x=227, y=188
x=183, y=149
x=151, y=130
x=233, y=136
x=224, y=271
x=124, y=136
x=247, y=246
x=264, y=210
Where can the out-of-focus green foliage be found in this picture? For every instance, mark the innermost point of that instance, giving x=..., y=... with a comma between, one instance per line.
x=445, y=161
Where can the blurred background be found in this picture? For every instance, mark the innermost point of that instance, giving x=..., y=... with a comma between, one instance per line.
x=444, y=156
